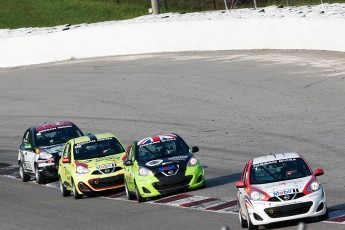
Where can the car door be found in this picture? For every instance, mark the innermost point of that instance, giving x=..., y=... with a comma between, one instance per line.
x=66, y=171
x=129, y=173
x=28, y=154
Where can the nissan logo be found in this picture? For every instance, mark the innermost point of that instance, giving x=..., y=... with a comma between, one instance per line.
x=286, y=197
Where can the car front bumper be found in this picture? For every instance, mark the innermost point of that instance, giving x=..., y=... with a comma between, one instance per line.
x=151, y=186
x=92, y=183
x=264, y=212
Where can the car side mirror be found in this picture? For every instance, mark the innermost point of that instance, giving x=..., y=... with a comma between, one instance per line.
x=128, y=163
x=66, y=160
x=240, y=184
x=195, y=149
x=319, y=172
x=27, y=147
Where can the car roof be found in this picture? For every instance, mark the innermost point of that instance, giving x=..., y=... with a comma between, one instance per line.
x=157, y=138
x=92, y=136
x=273, y=157
x=53, y=125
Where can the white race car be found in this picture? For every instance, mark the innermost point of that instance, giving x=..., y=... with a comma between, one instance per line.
x=41, y=148
x=277, y=188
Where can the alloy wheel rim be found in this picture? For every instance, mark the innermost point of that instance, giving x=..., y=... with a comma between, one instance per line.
x=21, y=173
x=127, y=193
x=61, y=188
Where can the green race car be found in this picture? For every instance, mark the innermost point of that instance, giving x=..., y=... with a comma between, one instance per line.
x=159, y=165
x=90, y=164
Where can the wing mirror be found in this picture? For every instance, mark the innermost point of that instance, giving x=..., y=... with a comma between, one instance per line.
x=27, y=147
x=319, y=172
x=195, y=149
x=66, y=160
x=128, y=163
x=240, y=184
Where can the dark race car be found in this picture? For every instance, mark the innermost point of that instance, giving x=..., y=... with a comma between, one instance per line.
x=159, y=165
x=41, y=148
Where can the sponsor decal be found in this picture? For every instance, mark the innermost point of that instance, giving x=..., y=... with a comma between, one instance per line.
x=108, y=158
x=283, y=192
x=274, y=162
x=177, y=158
x=288, y=203
x=167, y=168
x=154, y=162
x=105, y=166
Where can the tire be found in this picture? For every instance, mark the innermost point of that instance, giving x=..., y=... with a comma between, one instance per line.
x=23, y=176
x=324, y=216
x=243, y=222
x=204, y=185
x=39, y=176
x=76, y=195
x=63, y=189
x=129, y=194
x=251, y=226
x=140, y=199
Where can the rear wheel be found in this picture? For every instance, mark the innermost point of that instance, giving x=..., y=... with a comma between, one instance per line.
x=39, y=176
x=23, y=176
x=76, y=194
x=63, y=189
x=129, y=194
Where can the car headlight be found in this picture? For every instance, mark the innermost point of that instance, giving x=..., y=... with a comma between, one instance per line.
x=144, y=171
x=314, y=186
x=255, y=195
x=193, y=161
x=81, y=169
x=45, y=155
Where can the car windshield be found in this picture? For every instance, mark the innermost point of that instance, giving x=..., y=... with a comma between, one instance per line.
x=57, y=135
x=161, y=149
x=278, y=170
x=97, y=148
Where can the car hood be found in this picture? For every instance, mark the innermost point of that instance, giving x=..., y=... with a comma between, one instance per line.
x=53, y=149
x=183, y=158
x=104, y=162
x=284, y=187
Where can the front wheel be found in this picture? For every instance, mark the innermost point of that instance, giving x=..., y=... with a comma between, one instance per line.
x=63, y=189
x=243, y=222
x=39, y=176
x=129, y=194
x=324, y=216
x=76, y=194
x=251, y=226
x=23, y=176
x=140, y=199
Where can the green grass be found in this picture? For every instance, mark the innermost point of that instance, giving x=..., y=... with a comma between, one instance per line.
x=46, y=13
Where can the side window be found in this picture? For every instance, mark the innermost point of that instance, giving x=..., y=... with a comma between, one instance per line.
x=66, y=151
x=27, y=139
x=131, y=153
x=245, y=174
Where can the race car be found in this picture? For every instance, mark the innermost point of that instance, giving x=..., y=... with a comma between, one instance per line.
x=159, y=165
x=279, y=187
x=41, y=148
x=91, y=164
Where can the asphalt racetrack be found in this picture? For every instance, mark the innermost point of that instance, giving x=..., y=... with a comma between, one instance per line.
x=234, y=105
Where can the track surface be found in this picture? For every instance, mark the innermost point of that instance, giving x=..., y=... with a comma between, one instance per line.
x=233, y=105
